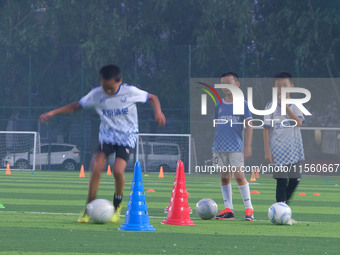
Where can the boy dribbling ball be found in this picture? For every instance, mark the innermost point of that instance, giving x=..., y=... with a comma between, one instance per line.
x=115, y=103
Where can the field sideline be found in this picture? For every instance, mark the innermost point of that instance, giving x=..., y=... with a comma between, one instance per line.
x=41, y=210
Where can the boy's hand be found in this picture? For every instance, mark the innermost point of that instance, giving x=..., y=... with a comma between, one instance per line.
x=247, y=152
x=268, y=156
x=45, y=117
x=160, y=118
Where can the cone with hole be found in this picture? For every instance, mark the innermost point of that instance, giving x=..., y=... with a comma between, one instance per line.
x=137, y=217
x=179, y=210
x=161, y=174
x=8, y=169
x=82, y=172
x=252, y=178
x=108, y=172
x=166, y=209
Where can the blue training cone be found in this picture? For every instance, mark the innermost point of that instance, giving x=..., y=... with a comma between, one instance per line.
x=137, y=217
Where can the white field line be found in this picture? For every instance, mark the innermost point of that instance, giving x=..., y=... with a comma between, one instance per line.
x=153, y=217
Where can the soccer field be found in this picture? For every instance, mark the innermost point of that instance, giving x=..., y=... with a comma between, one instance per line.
x=41, y=211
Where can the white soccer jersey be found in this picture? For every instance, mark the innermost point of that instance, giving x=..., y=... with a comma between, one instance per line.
x=285, y=141
x=118, y=113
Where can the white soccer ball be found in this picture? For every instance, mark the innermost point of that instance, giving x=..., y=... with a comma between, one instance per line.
x=206, y=209
x=280, y=213
x=100, y=210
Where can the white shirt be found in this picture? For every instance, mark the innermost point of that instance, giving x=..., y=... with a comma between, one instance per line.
x=118, y=113
x=285, y=141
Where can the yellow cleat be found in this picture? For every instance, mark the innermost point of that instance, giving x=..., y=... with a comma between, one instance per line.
x=116, y=215
x=84, y=218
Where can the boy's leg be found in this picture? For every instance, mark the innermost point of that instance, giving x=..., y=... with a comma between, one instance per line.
x=237, y=160
x=118, y=173
x=281, y=190
x=226, y=190
x=292, y=184
x=243, y=186
x=294, y=179
x=97, y=164
x=220, y=159
x=122, y=156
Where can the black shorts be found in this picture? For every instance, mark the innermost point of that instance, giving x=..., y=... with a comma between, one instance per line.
x=291, y=171
x=122, y=152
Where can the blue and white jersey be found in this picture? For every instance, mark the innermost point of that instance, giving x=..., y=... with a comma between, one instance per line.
x=285, y=141
x=229, y=138
x=118, y=113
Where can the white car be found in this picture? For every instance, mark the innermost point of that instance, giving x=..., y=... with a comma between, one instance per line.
x=62, y=155
x=153, y=155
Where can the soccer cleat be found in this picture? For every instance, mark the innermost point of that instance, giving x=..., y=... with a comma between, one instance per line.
x=249, y=214
x=116, y=215
x=226, y=214
x=84, y=218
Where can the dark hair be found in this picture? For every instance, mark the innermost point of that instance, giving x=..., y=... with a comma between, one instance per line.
x=110, y=72
x=230, y=74
x=283, y=75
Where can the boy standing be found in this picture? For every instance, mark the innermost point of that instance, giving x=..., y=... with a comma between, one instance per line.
x=115, y=103
x=228, y=150
x=283, y=144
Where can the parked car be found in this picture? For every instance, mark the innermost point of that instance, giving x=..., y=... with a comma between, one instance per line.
x=66, y=156
x=153, y=155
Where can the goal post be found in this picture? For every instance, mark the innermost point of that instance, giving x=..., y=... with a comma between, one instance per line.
x=154, y=151
x=20, y=149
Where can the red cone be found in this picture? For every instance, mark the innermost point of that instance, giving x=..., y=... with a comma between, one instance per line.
x=166, y=209
x=179, y=210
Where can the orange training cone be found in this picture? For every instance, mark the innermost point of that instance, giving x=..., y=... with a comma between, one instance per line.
x=8, y=169
x=82, y=172
x=161, y=174
x=253, y=178
x=179, y=211
x=257, y=173
x=108, y=170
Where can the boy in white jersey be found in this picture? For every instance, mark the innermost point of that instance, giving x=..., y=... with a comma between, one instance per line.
x=283, y=144
x=115, y=103
x=228, y=150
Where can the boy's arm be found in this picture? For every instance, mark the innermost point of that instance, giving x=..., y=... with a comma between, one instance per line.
x=159, y=116
x=292, y=115
x=65, y=109
x=248, y=140
x=267, y=153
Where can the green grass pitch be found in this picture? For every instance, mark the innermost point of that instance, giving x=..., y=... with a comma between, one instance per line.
x=41, y=211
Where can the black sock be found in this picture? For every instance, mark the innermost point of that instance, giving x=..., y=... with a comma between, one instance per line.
x=117, y=199
x=281, y=187
x=293, y=183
